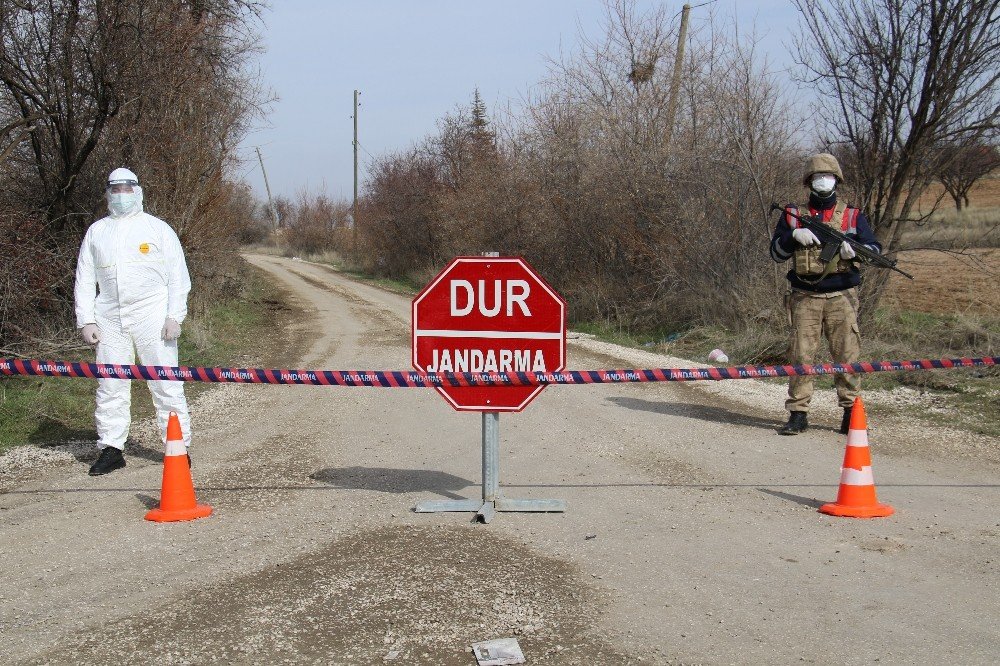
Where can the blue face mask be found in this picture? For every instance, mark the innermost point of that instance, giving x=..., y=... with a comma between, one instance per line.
x=120, y=203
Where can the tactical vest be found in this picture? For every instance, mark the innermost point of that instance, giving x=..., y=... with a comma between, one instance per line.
x=807, y=261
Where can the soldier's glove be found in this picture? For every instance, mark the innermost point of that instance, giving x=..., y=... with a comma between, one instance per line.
x=805, y=237
x=90, y=334
x=846, y=251
x=171, y=330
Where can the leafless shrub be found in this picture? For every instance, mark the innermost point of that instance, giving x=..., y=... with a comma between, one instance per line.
x=315, y=224
x=163, y=87
x=585, y=186
x=397, y=232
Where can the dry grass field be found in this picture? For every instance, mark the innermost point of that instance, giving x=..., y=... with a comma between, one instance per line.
x=947, y=282
x=984, y=194
x=961, y=276
x=978, y=226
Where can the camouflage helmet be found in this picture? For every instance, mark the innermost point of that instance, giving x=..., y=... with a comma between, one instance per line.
x=822, y=163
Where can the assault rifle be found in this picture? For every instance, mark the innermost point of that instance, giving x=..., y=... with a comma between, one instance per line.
x=831, y=239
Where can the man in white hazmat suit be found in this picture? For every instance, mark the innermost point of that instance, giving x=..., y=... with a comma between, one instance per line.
x=131, y=295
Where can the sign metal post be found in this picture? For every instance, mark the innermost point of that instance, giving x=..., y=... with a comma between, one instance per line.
x=490, y=310
x=493, y=499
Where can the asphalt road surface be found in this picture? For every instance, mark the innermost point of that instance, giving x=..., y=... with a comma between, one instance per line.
x=691, y=534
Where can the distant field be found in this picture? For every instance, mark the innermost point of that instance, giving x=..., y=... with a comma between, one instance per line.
x=946, y=283
x=976, y=226
x=984, y=194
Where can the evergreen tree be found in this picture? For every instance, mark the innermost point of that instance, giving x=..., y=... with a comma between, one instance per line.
x=482, y=136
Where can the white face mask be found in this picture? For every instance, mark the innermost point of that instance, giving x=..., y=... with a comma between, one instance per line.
x=824, y=184
x=120, y=203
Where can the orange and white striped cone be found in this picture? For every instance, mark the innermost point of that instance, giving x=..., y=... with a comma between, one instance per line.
x=856, y=498
x=177, y=501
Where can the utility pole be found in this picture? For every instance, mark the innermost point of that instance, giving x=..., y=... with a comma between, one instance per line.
x=676, y=83
x=267, y=186
x=354, y=209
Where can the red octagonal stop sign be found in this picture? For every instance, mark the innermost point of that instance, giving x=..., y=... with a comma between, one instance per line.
x=489, y=314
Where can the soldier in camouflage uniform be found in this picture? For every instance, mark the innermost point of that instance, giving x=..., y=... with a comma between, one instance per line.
x=822, y=299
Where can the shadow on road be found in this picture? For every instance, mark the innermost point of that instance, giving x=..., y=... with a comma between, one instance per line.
x=805, y=501
x=82, y=445
x=389, y=480
x=147, y=501
x=710, y=413
x=144, y=452
x=695, y=411
x=50, y=432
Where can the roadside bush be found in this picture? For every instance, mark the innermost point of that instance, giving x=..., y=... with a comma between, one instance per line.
x=313, y=224
x=36, y=278
x=634, y=229
x=92, y=92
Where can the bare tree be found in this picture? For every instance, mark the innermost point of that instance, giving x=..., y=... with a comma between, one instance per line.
x=162, y=86
x=583, y=184
x=62, y=64
x=896, y=79
x=199, y=98
x=672, y=236
x=963, y=167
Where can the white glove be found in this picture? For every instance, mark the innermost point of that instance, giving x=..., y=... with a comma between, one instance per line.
x=846, y=251
x=805, y=237
x=90, y=334
x=171, y=330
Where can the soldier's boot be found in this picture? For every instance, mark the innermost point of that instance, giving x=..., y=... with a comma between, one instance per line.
x=845, y=423
x=109, y=460
x=797, y=422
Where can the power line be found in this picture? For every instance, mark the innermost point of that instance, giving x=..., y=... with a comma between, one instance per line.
x=373, y=158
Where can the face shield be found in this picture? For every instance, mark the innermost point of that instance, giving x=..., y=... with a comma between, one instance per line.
x=124, y=196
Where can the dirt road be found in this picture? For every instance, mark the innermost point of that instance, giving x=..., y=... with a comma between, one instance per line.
x=691, y=534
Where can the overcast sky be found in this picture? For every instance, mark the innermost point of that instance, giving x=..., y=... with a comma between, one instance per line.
x=414, y=61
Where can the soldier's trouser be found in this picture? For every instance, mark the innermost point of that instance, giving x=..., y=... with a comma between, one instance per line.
x=834, y=316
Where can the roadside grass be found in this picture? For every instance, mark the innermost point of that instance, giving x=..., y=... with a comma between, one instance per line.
x=406, y=286
x=403, y=287
x=610, y=332
x=218, y=332
x=969, y=398
x=974, y=408
x=34, y=410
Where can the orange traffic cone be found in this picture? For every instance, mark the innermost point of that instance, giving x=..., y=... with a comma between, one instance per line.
x=856, y=498
x=177, y=501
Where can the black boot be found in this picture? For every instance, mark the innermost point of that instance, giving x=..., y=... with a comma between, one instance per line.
x=845, y=423
x=796, y=423
x=109, y=460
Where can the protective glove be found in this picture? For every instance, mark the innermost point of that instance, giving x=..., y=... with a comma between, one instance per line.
x=846, y=251
x=805, y=237
x=171, y=330
x=90, y=334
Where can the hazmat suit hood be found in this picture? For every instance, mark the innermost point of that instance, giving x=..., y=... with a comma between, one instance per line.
x=124, y=195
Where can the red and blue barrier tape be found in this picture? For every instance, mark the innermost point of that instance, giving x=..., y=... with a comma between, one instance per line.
x=404, y=379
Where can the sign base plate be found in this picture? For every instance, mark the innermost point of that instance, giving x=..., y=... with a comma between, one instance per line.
x=486, y=510
x=492, y=500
